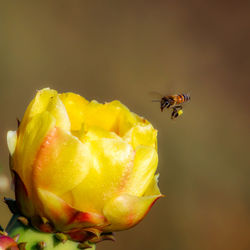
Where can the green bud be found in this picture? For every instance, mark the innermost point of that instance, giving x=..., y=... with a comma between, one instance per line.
x=35, y=239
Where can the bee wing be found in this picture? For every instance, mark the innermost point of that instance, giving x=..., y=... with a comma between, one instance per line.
x=156, y=97
x=189, y=94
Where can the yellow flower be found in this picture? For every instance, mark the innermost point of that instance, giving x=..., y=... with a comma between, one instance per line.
x=83, y=168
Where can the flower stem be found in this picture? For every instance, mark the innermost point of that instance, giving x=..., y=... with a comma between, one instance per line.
x=39, y=240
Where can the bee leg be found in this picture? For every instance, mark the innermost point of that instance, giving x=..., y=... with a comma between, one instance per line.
x=179, y=107
x=177, y=110
x=174, y=113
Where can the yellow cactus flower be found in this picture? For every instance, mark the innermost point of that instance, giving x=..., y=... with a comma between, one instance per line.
x=83, y=168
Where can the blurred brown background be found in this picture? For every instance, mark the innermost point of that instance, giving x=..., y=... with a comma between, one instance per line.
x=123, y=50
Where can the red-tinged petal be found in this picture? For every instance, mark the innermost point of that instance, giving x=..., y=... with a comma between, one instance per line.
x=61, y=163
x=45, y=112
x=28, y=144
x=22, y=197
x=125, y=211
x=87, y=219
x=84, y=234
x=7, y=243
x=80, y=235
x=63, y=216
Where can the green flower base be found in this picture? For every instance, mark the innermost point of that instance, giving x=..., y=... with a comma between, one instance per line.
x=38, y=240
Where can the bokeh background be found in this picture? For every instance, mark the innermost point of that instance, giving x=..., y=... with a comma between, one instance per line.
x=124, y=50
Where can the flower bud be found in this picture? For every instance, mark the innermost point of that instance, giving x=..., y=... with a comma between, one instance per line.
x=83, y=168
x=7, y=242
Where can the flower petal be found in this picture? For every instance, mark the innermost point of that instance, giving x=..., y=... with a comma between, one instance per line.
x=125, y=211
x=112, y=162
x=37, y=106
x=142, y=134
x=41, y=101
x=145, y=165
x=153, y=188
x=23, y=199
x=28, y=144
x=75, y=106
x=113, y=116
x=11, y=141
x=57, y=109
x=125, y=118
x=47, y=100
x=95, y=133
x=63, y=215
x=61, y=163
x=102, y=116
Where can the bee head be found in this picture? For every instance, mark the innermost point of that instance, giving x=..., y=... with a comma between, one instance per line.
x=164, y=103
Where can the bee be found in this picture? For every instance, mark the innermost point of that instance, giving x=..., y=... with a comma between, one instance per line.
x=174, y=102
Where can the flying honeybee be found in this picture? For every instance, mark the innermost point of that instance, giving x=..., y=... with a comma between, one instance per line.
x=174, y=102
